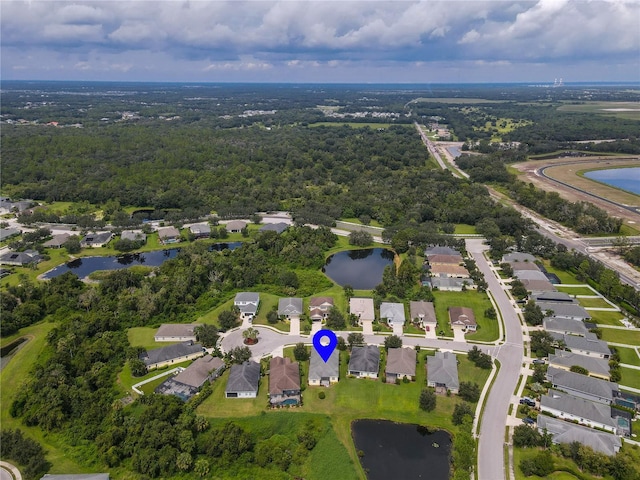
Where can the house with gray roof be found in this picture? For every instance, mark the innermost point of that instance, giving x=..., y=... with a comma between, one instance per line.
x=597, y=367
x=284, y=382
x=8, y=233
x=321, y=372
x=364, y=362
x=176, y=332
x=188, y=382
x=553, y=297
x=200, y=230
x=576, y=409
x=449, y=284
x=567, y=432
x=248, y=304
x=235, y=226
x=362, y=308
x=96, y=239
x=572, y=311
x=438, y=250
x=168, y=235
x=522, y=266
x=401, y=363
x=290, y=307
x=20, y=259
x=133, y=236
x=57, y=241
x=243, y=381
x=537, y=286
x=583, y=386
x=424, y=313
x=76, y=476
x=442, y=372
x=274, y=227
x=518, y=257
x=524, y=275
x=565, y=326
x=171, y=354
x=589, y=345
x=393, y=313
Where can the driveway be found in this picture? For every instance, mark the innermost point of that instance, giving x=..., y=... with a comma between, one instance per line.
x=367, y=327
x=397, y=330
x=458, y=335
x=294, y=326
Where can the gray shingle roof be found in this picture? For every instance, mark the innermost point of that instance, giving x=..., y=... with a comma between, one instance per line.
x=598, y=366
x=318, y=369
x=567, y=432
x=243, y=378
x=581, y=383
x=441, y=251
x=589, y=343
x=563, y=309
x=401, y=361
x=57, y=240
x=200, y=229
x=8, y=232
x=176, y=329
x=158, y=355
x=578, y=407
x=133, y=235
x=290, y=306
x=565, y=325
x=247, y=297
x=365, y=359
x=275, y=227
x=442, y=368
x=198, y=372
x=97, y=237
x=393, y=312
x=518, y=257
x=423, y=310
x=553, y=297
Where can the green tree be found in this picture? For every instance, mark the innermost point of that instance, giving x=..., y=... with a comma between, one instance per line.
x=526, y=436
x=72, y=245
x=348, y=291
x=427, y=400
x=360, y=238
x=533, y=315
x=300, y=352
x=184, y=461
x=460, y=411
x=540, y=465
x=201, y=467
x=335, y=319
x=138, y=367
x=579, y=369
x=227, y=319
x=250, y=334
x=355, y=339
x=469, y=391
x=239, y=355
x=392, y=341
x=207, y=335
x=272, y=317
x=542, y=343
x=342, y=344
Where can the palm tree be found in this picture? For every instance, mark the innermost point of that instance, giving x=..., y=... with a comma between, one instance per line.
x=250, y=334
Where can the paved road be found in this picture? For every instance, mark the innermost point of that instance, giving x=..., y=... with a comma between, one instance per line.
x=9, y=472
x=510, y=355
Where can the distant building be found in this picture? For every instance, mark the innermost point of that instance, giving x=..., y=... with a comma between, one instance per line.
x=572, y=311
x=6, y=233
x=236, y=226
x=169, y=235
x=188, y=382
x=589, y=388
x=57, y=241
x=133, y=236
x=518, y=257
x=589, y=345
x=96, y=239
x=567, y=432
x=580, y=410
x=442, y=372
x=176, y=332
x=319, y=308
x=597, y=367
x=274, y=227
x=565, y=326
x=290, y=307
x=448, y=270
x=200, y=230
x=20, y=259
x=172, y=354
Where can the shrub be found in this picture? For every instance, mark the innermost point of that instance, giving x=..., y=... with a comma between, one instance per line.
x=321, y=395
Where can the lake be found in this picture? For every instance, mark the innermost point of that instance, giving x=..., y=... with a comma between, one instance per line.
x=624, y=178
x=401, y=450
x=82, y=267
x=362, y=269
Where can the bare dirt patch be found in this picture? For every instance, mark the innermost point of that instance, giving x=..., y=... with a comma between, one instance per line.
x=576, y=188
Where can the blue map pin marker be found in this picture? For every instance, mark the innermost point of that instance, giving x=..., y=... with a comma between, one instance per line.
x=325, y=351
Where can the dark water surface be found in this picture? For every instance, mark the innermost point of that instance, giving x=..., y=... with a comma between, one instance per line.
x=82, y=267
x=362, y=269
x=401, y=451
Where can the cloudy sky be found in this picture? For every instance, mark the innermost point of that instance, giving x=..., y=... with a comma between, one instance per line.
x=321, y=41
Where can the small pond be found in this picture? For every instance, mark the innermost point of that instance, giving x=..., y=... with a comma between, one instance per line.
x=401, y=450
x=624, y=178
x=362, y=269
x=83, y=267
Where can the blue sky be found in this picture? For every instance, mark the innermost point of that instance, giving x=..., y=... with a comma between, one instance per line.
x=326, y=41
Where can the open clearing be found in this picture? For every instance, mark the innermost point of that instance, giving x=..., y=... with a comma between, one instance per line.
x=629, y=110
x=567, y=171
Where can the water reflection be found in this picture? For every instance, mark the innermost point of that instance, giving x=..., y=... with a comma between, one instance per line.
x=362, y=269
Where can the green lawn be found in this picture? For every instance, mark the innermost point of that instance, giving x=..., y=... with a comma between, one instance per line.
x=630, y=377
x=593, y=303
x=628, y=356
x=565, y=468
x=373, y=223
x=581, y=290
x=606, y=318
x=143, y=337
x=462, y=229
x=478, y=302
x=565, y=277
x=627, y=337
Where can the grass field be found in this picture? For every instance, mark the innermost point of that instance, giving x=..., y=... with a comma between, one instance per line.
x=575, y=290
x=627, y=337
x=629, y=110
x=143, y=337
x=628, y=355
x=630, y=377
x=478, y=302
x=464, y=229
x=593, y=303
x=606, y=318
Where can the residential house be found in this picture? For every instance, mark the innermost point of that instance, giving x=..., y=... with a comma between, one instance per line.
x=447, y=284
x=401, y=363
x=536, y=286
x=189, y=382
x=364, y=361
x=589, y=388
x=235, y=226
x=565, y=326
x=393, y=313
x=96, y=239
x=274, y=227
x=243, y=381
x=200, y=230
x=362, y=308
x=176, y=332
x=442, y=372
x=438, y=250
x=567, y=432
x=319, y=308
x=57, y=241
x=553, y=297
x=20, y=259
x=447, y=259
x=518, y=257
x=76, y=476
x=248, y=304
x=321, y=372
x=424, y=313
x=448, y=270
x=171, y=354
x=19, y=206
x=572, y=311
x=133, y=236
x=576, y=409
x=462, y=318
x=168, y=235
x=588, y=345
x=597, y=367
x=523, y=266
x=284, y=382
x=290, y=307
x=8, y=233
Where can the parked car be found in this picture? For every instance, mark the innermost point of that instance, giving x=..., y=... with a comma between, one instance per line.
x=528, y=420
x=539, y=361
x=528, y=401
